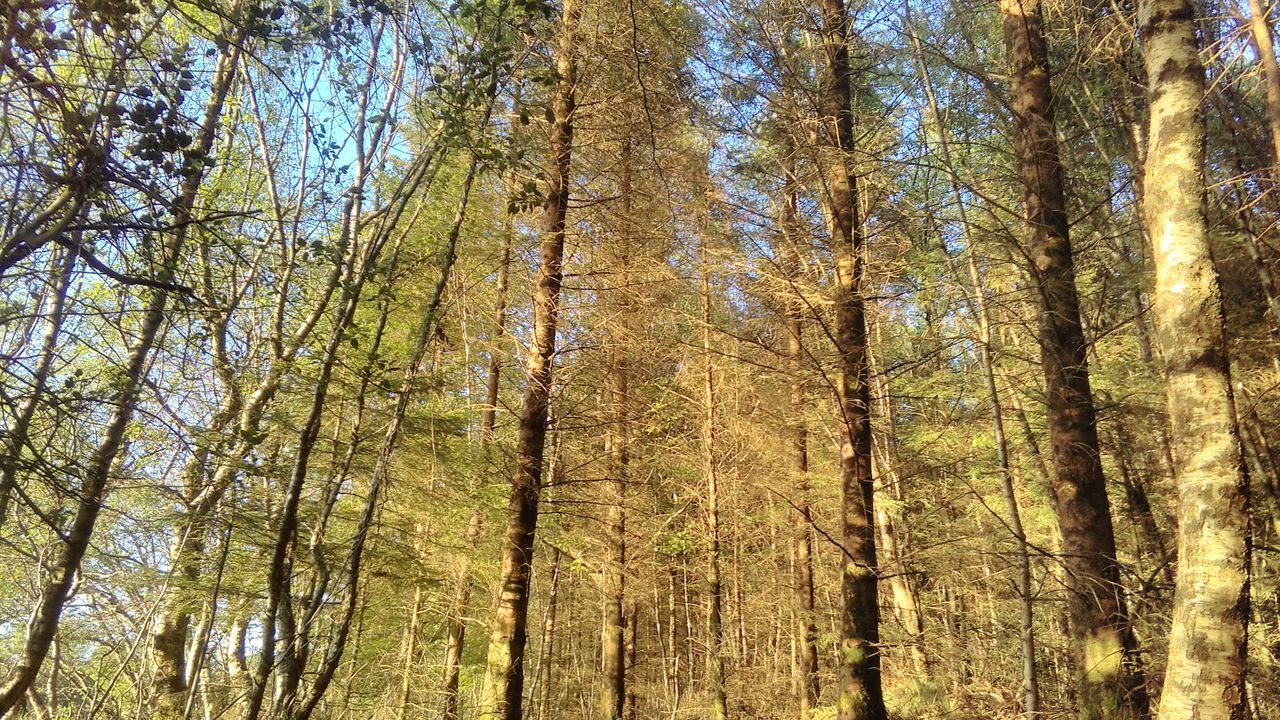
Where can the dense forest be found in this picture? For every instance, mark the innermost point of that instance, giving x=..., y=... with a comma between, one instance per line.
x=623, y=359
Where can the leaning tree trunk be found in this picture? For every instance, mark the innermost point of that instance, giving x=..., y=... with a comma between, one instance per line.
x=861, y=696
x=1205, y=675
x=504, y=674
x=1110, y=680
x=93, y=489
x=16, y=433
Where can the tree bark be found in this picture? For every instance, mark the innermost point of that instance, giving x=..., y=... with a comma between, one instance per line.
x=1110, y=679
x=861, y=695
x=456, y=622
x=504, y=675
x=1205, y=675
x=410, y=653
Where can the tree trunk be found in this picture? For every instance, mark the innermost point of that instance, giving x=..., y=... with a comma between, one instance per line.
x=629, y=648
x=1205, y=675
x=1110, y=678
x=548, y=647
x=806, y=652
x=1261, y=35
x=715, y=600
x=613, y=680
x=457, y=620
x=248, y=411
x=902, y=585
x=861, y=696
x=410, y=654
x=504, y=674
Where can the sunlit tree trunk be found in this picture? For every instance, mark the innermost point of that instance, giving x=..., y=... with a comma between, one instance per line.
x=629, y=648
x=1263, y=45
x=409, y=655
x=715, y=600
x=456, y=622
x=504, y=673
x=893, y=548
x=1110, y=680
x=1205, y=675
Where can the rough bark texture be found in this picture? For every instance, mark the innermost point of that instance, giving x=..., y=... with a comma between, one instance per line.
x=1110, y=680
x=860, y=696
x=1205, y=675
x=612, y=652
x=504, y=674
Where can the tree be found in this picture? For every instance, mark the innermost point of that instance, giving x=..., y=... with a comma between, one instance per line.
x=1110, y=680
x=504, y=680
x=1205, y=676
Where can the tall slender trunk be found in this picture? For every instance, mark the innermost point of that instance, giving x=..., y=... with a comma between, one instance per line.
x=613, y=681
x=1205, y=675
x=548, y=646
x=715, y=595
x=456, y=621
x=629, y=648
x=490, y=416
x=861, y=695
x=504, y=674
x=806, y=646
x=240, y=417
x=93, y=488
x=902, y=584
x=428, y=322
x=410, y=653
x=1111, y=682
